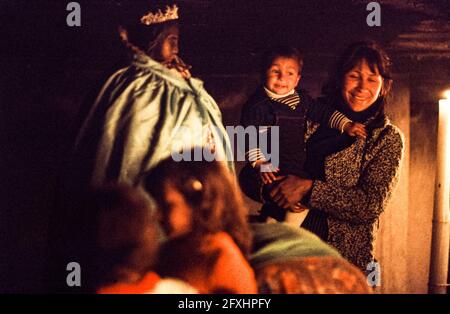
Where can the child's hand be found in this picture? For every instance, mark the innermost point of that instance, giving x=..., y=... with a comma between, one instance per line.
x=355, y=129
x=268, y=177
x=267, y=171
x=297, y=208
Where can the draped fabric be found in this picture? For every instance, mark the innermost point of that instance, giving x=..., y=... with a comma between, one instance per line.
x=143, y=113
x=281, y=242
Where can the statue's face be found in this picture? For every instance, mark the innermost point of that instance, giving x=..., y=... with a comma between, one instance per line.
x=168, y=48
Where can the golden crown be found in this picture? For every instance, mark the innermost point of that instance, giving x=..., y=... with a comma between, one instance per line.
x=159, y=17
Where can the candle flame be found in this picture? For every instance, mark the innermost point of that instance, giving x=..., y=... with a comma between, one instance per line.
x=447, y=94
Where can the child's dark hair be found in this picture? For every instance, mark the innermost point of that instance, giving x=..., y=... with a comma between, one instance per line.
x=280, y=51
x=212, y=193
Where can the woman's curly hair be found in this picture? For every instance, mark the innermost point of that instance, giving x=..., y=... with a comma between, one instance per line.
x=212, y=193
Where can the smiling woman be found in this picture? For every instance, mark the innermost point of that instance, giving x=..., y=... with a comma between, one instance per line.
x=352, y=178
x=362, y=86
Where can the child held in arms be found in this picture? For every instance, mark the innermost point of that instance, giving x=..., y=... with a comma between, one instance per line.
x=278, y=102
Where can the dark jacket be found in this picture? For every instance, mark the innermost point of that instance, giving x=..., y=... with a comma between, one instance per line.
x=264, y=113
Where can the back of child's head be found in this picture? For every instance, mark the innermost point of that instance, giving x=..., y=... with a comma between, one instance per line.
x=209, y=190
x=121, y=236
x=280, y=51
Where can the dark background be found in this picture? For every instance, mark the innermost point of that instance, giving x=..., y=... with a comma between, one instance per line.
x=48, y=70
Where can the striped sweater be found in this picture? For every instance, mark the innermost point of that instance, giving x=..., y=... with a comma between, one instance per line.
x=257, y=112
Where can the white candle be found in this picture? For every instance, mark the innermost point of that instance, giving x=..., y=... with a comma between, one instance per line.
x=443, y=158
x=441, y=235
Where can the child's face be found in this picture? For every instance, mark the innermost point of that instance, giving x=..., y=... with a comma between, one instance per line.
x=283, y=75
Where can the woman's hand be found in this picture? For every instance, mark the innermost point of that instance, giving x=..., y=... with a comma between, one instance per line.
x=288, y=192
